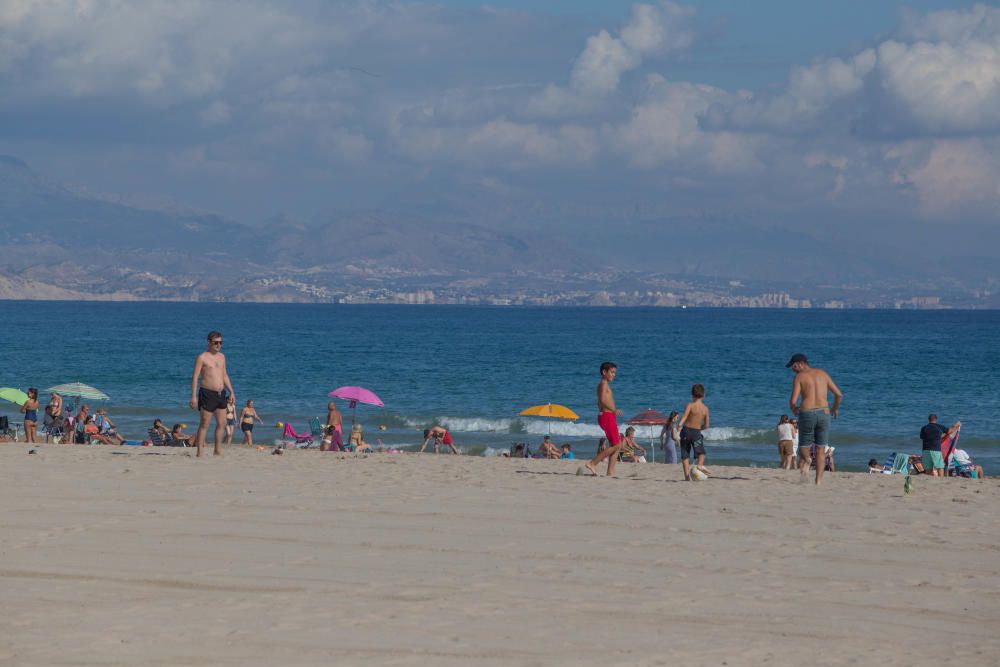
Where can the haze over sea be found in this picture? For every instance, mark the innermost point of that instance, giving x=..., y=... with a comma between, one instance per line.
x=474, y=368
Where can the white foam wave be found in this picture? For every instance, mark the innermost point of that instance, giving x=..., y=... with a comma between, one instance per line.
x=575, y=429
x=477, y=424
x=721, y=433
x=572, y=429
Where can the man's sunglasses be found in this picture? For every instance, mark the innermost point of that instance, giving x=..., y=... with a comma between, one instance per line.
x=216, y=342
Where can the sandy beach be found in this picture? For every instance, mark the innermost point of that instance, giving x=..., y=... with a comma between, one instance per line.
x=135, y=556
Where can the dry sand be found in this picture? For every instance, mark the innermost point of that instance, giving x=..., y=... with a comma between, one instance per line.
x=133, y=556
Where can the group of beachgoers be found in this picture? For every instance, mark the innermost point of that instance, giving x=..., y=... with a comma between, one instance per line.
x=60, y=423
x=809, y=401
x=803, y=439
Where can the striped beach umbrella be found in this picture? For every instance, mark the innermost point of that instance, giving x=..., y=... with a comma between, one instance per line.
x=79, y=390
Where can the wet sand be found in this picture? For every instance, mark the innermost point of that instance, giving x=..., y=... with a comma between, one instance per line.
x=135, y=556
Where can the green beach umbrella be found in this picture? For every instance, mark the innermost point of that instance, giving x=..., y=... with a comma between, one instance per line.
x=15, y=396
x=79, y=390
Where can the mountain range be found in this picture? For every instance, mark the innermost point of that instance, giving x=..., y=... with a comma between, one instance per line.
x=64, y=244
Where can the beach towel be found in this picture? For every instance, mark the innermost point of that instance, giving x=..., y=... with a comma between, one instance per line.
x=948, y=444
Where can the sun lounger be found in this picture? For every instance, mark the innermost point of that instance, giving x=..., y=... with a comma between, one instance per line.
x=6, y=430
x=897, y=464
x=298, y=440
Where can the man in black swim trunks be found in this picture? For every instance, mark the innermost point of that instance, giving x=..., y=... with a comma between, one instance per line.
x=210, y=397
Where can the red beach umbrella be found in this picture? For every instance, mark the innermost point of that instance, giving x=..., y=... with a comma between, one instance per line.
x=649, y=418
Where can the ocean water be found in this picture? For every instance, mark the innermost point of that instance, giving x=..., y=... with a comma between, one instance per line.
x=474, y=368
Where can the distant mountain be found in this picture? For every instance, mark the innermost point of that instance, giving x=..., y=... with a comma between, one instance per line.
x=83, y=245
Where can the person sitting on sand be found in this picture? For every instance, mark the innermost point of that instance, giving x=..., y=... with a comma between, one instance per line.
x=357, y=441
x=630, y=447
x=567, y=452
x=831, y=466
x=161, y=429
x=92, y=432
x=548, y=449
x=179, y=438
x=961, y=460
x=107, y=427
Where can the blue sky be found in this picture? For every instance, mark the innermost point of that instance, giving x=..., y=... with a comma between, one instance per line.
x=516, y=113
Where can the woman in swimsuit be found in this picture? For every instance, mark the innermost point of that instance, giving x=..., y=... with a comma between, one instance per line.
x=247, y=417
x=230, y=419
x=30, y=410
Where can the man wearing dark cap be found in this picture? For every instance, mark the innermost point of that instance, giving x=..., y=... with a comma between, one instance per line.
x=809, y=402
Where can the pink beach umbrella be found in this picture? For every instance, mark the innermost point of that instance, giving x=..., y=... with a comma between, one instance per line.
x=355, y=395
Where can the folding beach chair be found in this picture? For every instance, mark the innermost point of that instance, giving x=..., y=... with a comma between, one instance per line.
x=299, y=440
x=316, y=429
x=157, y=438
x=897, y=464
x=6, y=430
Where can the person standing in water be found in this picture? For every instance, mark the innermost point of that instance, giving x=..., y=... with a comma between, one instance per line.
x=209, y=384
x=607, y=419
x=810, y=402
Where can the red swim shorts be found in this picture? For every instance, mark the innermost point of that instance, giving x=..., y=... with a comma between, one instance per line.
x=447, y=438
x=608, y=422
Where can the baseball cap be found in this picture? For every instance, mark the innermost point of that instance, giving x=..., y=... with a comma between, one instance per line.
x=797, y=357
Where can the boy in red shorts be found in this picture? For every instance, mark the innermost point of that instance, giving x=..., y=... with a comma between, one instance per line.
x=607, y=419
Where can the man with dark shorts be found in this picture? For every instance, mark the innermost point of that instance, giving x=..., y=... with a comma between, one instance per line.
x=209, y=384
x=812, y=385
x=607, y=419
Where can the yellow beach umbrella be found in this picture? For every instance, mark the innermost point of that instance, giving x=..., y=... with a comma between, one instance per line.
x=550, y=411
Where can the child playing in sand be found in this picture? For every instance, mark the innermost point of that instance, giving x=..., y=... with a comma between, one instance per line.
x=693, y=422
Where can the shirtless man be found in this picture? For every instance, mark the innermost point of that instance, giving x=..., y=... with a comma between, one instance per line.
x=694, y=420
x=334, y=439
x=440, y=436
x=809, y=402
x=210, y=397
x=607, y=419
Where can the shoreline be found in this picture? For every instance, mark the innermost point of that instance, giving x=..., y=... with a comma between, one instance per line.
x=144, y=556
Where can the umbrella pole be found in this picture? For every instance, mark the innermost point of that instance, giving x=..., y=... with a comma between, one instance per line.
x=652, y=447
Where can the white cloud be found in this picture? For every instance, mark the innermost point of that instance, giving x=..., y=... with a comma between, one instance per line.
x=597, y=71
x=952, y=176
x=940, y=76
x=664, y=128
x=810, y=94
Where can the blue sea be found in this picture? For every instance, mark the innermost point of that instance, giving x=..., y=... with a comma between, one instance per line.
x=474, y=368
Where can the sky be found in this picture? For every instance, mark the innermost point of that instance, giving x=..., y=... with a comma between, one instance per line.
x=799, y=113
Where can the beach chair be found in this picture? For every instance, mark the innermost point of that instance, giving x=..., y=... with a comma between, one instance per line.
x=54, y=432
x=897, y=464
x=299, y=440
x=316, y=429
x=6, y=430
x=157, y=438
